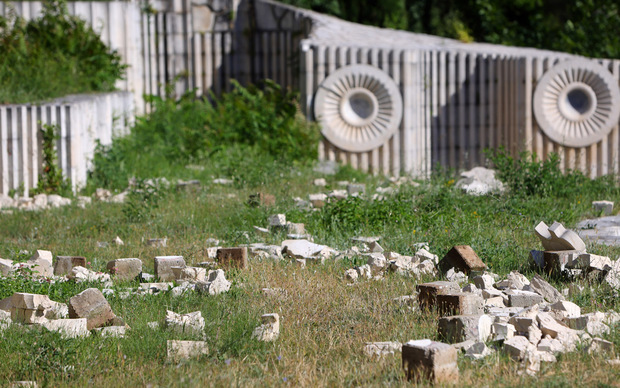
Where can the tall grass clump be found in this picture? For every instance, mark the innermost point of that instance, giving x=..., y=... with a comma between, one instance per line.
x=243, y=134
x=52, y=56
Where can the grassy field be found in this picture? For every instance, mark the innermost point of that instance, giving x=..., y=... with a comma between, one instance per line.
x=325, y=322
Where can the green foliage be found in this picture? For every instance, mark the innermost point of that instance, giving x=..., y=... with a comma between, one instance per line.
x=262, y=123
x=51, y=180
x=54, y=55
x=528, y=176
x=143, y=198
x=585, y=27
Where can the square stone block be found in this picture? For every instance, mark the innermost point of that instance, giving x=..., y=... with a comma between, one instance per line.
x=461, y=328
x=460, y=304
x=427, y=292
x=426, y=359
x=164, y=264
x=233, y=257
x=125, y=269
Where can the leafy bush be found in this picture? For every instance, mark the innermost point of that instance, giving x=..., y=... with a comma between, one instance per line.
x=54, y=55
x=51, y=180
x=528, y=176
x=262, y=123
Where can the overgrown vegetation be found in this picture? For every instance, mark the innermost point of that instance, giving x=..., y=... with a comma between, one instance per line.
x=584, y=27
x=52, y=56
x=51, y=180
x=243, y=126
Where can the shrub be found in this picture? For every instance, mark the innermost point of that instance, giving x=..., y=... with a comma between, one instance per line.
x=54, y=55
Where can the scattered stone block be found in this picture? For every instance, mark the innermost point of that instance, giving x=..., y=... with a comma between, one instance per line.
x=599, y=345
x=460, y=304
x=6, y=267
x=41, y=263
x=64, y=264
x=277, y=221
x=117, y=241
x=163, y=266
x=550, y=345
x=472, y=289
x=479, y=181
x=612, y=279
x=317, y=200
x=92, y=305
x=269, y=330
x=502, y=331
x=33, y=308
x=566, y=309
x=157, y=242
x=190, y=274
x=605, y=207
x=463, y=258
x=514, y=280
x=236, y=257
x=112, y=331
x=304, y=249
x=215, y=284
x=191, y=323
x=81, y=274
x=262, y=199
x=558, y=238
x=351, y=274
x=495, y=301
x=549, y=326
x=456, y=276
x=375, y=247
x=426, y=359
x=427, y=292
x=484, y=282
x=125, y=269
x=69, y=328
x=356, y=188
x=592, y=262
x=460, y=328
x=542, y=287
x=381, y=349
x=184, y=350
x=296, y=228
x=517, y=347
x=478, y=351
x=524, y=298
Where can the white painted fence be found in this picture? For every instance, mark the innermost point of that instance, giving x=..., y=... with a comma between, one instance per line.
x=457, y=99
x=82, y=121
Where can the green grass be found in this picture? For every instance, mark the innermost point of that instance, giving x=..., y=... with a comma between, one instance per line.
x=324, y=321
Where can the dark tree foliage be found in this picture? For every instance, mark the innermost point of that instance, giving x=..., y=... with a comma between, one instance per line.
x=584, y=27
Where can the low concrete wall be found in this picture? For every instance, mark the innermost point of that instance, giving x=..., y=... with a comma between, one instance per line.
x=82, y=120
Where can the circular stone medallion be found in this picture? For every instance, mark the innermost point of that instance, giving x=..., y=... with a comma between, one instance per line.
x=359, y=108
x=577, y=103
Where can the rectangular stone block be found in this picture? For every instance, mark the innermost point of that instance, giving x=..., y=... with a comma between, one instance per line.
x=460, y=304
x=463, y=258
x=163, y=267
x=461, y=328
x=233, y=257
x=556, y=261
x=524, y=298
x=426, y=359
x=125, y=269
x=64, y=264
x=427, y=292
x=184, y=350
x=92, y=305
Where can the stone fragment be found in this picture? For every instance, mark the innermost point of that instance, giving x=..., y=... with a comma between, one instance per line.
x=456, y=276
x=190, y=323
x=33, y=308
x=549, y=326
x=592, y=262
x=426, y=359
x=321, y=182
x=502, y=331
x=190, y=274
x=163, y=266
x=463, y=258
x=375, y=247
x=125, y=269
x=351, y=274
x=524, y=298
x=593, y=323
x=605, y=207
x=523, y=324
x=514, y=280
x=459, y=328
x=304, y=249
x=380, y=349
x=478, y=351
x=55, y=201
x=111, y=331
x=472, y=289
x=517, y=347
x=117, y=241
x=216, y=283
x=427, y=292
x=69, y=328
x=423, y=254
x=542, y=287
x=460, y=304
x=317, y=200
x=558, y=238
x=64, y=264
x=484, y=282
x=81, y=274
x=92, y=305
x=157, y=242
x=269, y=330
x=464, y=346
x=612, y=279
x=262, y=199
x=558, y=261
x=298, y=229
x=236, y=257
x=599, y=345
x=6, y=267
x=184, y=350
x=495, y=301
x=277, y=221
x=479, y=181
x=377, y=262
x=550, y=345
x=41, y=263
x=566, y=309
x=24, y=384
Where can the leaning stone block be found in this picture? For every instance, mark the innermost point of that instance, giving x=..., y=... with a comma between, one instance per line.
x=460, y=304
x=41, y=263
x=542, y=287
x=92, y=305
x=426, y=359
x=125, y=269
x=164, y=264
x=427, y=292
x=233, y=257
x=463, y=258
x=64, y=264
x=184, y=350
x=460, y=328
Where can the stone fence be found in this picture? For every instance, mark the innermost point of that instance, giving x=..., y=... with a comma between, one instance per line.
x=388, y=101
x=82, y=120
